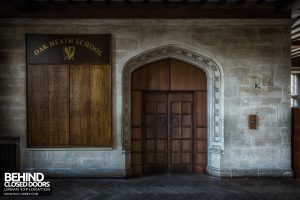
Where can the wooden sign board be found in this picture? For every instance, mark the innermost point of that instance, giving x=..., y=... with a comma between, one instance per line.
x=69, y=91
x=68, y=49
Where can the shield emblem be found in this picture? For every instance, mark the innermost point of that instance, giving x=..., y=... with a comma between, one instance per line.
x=69, y=52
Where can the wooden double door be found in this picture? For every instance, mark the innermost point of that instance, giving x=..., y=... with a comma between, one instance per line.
x=168, y=132
x=168, y=118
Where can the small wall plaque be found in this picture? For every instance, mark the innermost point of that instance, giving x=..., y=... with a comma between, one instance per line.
x=252, y=121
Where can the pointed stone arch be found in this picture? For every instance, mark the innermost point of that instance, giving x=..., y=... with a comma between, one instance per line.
x=215, y=91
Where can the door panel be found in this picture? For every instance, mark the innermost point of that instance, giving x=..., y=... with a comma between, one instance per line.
x=181, y=126
x=201, y=132
x=136, y=133
x=184, y=76
x=201, y=109
x=153, y=76
x=155, y=137
x=201, y=150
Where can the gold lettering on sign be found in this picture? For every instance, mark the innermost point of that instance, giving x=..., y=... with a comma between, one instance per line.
x=40, y=49
x=63, y=41
x=89, y=46
x=53, y=43
x=69, y=52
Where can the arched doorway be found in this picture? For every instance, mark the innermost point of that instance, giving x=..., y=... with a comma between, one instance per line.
x=168, y=118
x=215, y=99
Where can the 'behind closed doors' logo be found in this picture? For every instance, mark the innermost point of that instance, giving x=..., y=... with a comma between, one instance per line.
x=25, y=184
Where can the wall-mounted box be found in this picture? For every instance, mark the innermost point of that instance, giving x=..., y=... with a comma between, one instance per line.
x=252, y=121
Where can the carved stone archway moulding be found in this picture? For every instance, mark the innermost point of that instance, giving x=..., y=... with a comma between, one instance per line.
x=215, y=93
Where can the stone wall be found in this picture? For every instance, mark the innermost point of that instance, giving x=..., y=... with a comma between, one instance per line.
x=249, y=52
x=255, y=58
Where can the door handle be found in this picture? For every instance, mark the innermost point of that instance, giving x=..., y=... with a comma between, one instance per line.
x=172, y=120
x=164, y=120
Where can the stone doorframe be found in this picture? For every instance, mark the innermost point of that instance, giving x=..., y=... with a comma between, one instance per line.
x=215, y=99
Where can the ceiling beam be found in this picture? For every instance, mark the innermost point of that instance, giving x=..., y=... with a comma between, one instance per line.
x=295, y=37
x=284, y=5
x=295, y=62
x=107, y=1
x=297, y=18
x=89, y=1
x=70, y=1
x=295, y=10
x=295, y=47
x=25, y=6
x=296, y=68
x=296, y=55
x=260, y=1
x=295, y=32
x=296, y=43
x=111, y=9
x=296, y=25
x=295, y=52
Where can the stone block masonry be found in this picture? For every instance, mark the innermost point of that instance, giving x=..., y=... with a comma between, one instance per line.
x=249, y=51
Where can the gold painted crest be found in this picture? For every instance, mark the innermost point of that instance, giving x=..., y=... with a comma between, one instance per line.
x=69, y=52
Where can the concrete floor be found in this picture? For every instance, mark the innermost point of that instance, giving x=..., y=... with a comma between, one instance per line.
x=173, y=187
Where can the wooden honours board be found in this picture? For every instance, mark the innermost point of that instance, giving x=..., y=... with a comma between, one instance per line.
x=68, y=91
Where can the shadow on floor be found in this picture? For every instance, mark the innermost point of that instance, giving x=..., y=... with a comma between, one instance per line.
x=173, y=187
